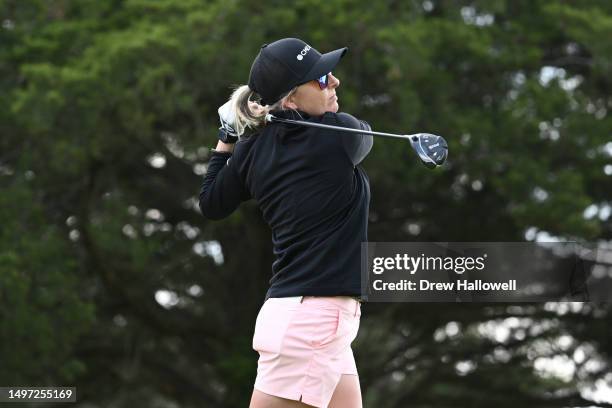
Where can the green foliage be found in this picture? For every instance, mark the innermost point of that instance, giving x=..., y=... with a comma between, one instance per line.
x=42, y=312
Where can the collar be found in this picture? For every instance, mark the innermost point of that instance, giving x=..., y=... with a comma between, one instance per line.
x=291, y=114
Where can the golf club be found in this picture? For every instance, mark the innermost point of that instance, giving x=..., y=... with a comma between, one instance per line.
x=431, y=149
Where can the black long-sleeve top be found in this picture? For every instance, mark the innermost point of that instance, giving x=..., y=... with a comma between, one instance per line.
x=313, y=194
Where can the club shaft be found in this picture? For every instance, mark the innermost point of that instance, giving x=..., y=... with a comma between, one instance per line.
x=337, y=128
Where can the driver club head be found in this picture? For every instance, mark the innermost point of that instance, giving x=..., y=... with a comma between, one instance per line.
x=431, y=149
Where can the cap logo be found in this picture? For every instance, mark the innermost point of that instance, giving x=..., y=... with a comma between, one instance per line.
x=303, y=53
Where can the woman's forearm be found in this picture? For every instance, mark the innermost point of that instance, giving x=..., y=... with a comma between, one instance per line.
x=224, y=147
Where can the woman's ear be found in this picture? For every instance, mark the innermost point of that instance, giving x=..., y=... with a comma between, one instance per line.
x=289, y=103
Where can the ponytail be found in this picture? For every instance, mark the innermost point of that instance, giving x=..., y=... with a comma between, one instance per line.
x=249, y=113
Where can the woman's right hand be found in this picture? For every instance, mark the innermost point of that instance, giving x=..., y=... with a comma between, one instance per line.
x=256, y=108
x=228, y=133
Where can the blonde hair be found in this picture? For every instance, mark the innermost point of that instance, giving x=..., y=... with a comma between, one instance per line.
x=253, y=116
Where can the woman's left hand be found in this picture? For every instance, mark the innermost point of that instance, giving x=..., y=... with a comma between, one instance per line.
x=227, y=117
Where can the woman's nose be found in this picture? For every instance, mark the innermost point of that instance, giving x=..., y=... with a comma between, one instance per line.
x=334, y=82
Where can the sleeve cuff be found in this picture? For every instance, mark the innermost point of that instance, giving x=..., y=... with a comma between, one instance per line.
x=220, y=153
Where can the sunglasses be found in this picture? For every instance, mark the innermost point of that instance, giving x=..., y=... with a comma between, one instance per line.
x=323, y=81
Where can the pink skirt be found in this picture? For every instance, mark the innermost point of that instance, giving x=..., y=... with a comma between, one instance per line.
x=304, y=346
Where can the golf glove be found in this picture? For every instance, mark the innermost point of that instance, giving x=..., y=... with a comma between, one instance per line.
x=227, y=116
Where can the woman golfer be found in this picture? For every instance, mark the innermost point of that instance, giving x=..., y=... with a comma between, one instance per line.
x=315, y=198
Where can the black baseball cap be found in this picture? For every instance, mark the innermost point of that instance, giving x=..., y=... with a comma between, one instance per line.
x=286, y=63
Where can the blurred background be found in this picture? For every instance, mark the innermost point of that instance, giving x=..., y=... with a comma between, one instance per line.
x=113, y=282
